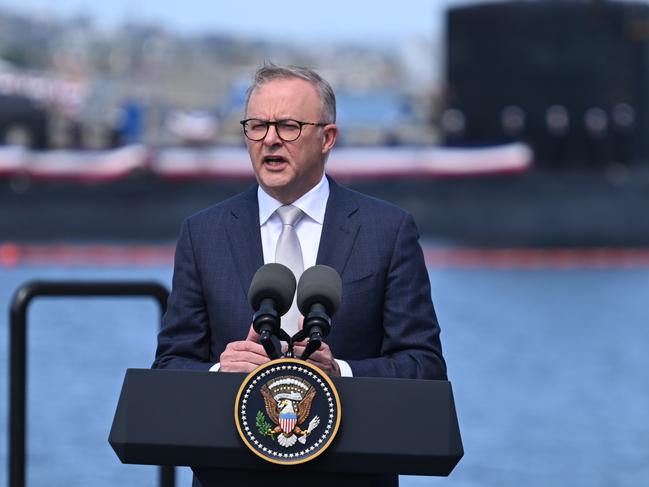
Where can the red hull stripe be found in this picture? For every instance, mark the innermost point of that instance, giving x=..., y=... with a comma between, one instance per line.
x=12, y=254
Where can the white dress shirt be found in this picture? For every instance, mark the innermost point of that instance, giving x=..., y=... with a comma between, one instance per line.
x=308, y=229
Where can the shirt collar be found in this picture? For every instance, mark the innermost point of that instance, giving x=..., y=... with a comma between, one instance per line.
x=313, y=203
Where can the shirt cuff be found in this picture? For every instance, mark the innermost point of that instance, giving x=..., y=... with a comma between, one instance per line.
x=216, y=367
x=345, y=369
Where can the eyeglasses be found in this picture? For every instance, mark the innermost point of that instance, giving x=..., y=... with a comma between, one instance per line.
x=287, y=130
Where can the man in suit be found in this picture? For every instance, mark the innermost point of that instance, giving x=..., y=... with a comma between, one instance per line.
x=386, y=324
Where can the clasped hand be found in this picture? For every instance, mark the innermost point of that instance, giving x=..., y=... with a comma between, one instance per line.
x=246, y=355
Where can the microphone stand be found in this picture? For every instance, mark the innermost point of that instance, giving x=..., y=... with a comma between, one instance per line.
x=265, y=322
x=316, y=325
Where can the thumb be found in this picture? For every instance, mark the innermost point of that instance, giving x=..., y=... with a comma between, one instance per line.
x=253, y=336
x=300, y=322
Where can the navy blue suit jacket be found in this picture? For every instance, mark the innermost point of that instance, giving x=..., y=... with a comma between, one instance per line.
x=386, y=324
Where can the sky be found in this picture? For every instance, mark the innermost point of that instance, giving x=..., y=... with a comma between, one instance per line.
x=371, y=21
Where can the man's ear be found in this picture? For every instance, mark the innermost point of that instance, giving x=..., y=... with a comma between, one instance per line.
x=330, y=134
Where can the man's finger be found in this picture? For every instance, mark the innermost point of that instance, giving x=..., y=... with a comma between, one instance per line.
x=238, y=367
x=253, y=336
x=246, y=346
x=251, y=358
x=231, y=356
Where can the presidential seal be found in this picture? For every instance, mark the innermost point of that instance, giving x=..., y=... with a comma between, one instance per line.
x=287, y=411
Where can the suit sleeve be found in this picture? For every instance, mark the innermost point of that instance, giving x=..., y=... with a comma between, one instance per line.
x=184, y=339
x=411, y=344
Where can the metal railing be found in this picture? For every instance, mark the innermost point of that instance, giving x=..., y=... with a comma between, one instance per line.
x=18, y=354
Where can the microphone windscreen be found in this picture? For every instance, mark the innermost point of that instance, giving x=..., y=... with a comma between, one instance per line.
x=322, y=285
x=274, y=281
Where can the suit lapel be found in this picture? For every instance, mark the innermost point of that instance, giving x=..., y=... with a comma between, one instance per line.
x=340, y=228
x=339, y=231
x=244, y=237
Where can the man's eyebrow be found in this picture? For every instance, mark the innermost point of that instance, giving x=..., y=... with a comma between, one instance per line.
x=274, y=119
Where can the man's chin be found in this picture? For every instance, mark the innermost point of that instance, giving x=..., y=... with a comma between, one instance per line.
x=278, y=188
x=275, y=181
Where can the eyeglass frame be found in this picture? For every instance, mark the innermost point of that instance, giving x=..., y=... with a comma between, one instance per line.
x=268, y=123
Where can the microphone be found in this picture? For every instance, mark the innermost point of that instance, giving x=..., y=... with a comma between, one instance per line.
x=271, y=295
x=318, y=299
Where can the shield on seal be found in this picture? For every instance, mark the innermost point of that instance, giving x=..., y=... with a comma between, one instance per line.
x=287, y=422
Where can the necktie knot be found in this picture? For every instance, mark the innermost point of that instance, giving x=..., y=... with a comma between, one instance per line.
x=290, y=215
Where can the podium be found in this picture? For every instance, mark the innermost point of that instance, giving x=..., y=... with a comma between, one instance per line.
x=186, y=418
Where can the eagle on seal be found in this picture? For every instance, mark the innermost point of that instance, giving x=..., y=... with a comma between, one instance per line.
x=288, y=408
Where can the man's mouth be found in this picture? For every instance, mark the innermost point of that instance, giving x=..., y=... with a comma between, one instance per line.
x=274, y=160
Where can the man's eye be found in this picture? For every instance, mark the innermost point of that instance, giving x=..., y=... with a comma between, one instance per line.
x=288, y=125
x=257, y=125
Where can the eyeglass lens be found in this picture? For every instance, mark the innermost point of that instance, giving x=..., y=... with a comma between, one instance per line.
x=287, y=130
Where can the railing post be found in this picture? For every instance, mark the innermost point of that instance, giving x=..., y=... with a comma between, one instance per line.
x=17, y=387
x=18, y=355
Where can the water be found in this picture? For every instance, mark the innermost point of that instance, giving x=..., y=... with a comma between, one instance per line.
x=549, y=370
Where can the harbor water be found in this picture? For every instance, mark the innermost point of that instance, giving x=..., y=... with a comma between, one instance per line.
x=549, y=370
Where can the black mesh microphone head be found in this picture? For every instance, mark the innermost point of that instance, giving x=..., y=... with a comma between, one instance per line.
x=322, y=285
x=274, y=281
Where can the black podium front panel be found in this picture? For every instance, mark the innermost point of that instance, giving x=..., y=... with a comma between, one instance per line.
x=187, y=418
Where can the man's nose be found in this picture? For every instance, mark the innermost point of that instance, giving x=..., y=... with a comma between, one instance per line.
x=272, y=137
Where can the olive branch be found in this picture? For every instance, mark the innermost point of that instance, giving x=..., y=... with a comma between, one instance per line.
x=264, y=426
